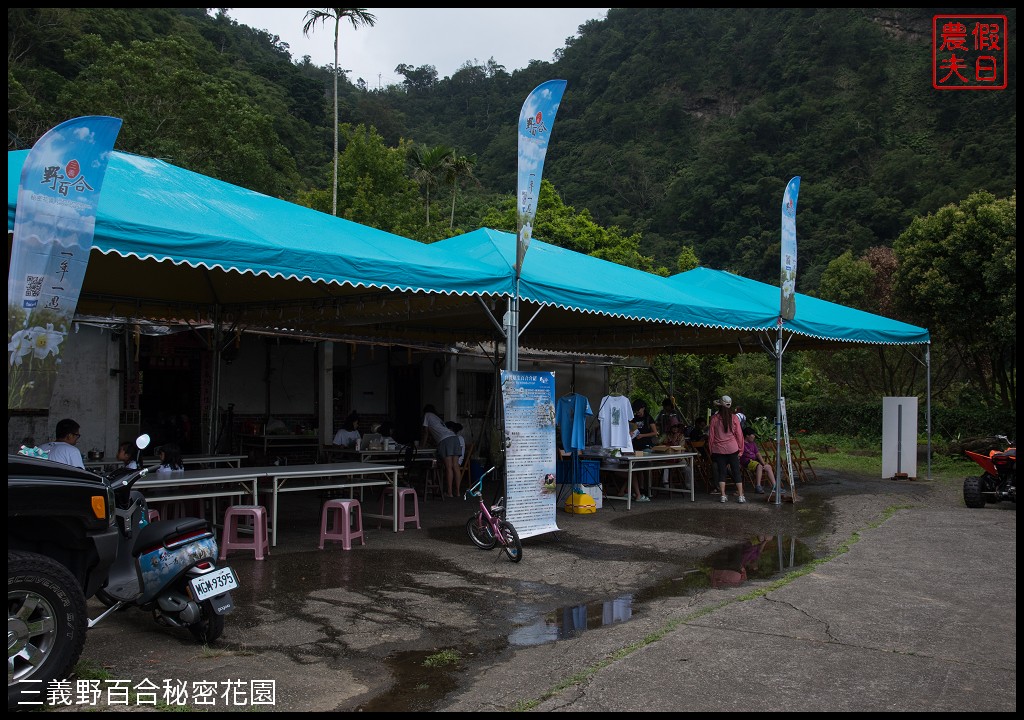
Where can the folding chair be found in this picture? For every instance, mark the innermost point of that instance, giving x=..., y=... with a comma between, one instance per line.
x=802, y=460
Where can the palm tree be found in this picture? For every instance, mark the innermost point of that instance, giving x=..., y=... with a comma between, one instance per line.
x=457, y=169
x=429, y=165
x=357, y=16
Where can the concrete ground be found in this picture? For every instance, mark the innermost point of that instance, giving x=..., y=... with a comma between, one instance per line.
x=906, y=602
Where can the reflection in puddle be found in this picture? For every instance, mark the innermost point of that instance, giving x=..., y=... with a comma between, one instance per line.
x=569, y=622
x=757, y=558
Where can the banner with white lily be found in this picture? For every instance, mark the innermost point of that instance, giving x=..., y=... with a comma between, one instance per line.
x=53, y=233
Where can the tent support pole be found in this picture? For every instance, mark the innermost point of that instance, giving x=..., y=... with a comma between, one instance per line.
x=512, y=332
x=778, y=416
x=928, y=405
x=218, y=336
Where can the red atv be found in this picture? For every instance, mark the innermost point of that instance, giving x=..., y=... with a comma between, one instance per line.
x=998, y=482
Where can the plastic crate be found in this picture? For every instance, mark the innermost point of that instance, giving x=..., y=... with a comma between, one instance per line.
x=590, y=472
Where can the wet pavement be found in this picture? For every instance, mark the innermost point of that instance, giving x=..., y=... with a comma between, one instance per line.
x=668, y=606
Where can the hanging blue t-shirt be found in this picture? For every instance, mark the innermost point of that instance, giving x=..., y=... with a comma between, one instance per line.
x=571, y=415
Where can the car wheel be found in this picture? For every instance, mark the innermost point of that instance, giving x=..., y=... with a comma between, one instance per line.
x=46, y=624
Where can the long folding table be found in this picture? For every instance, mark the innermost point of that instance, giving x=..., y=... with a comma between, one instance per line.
x=212, y=483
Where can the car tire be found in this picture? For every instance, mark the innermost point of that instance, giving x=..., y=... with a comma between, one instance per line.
x=46, y=626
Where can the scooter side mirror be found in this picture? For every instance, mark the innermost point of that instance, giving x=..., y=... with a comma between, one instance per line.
x=142, y=441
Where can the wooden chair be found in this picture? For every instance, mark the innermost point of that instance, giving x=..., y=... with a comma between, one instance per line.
x=802, y=461
x=702, y=464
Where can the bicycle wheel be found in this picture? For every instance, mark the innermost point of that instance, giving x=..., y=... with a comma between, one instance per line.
x=480, y=533
x=511, y=543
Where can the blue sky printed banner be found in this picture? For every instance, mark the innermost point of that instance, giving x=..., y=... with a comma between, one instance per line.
x=53, y=231
x=535, y=122
x=787, y=308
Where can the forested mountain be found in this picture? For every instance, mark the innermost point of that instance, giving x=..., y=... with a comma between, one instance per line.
x=681, y=125
x=677, y=134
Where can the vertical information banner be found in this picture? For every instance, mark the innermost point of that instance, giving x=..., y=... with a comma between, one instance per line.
x=536, y=118
x=787, y=282
x=529, y=402
x=53, y=231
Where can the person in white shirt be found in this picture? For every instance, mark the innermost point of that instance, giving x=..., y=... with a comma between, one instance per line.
x=447, y=444
x=63, y=449
x=126, y=455
x=348, y=435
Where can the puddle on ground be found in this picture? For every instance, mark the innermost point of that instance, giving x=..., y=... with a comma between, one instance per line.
x=420, y=686
x=419, y=683
x=569, y=622
x=759, y=557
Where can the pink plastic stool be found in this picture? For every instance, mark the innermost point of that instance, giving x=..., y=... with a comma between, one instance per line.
x=232, y=538
x=404, y=516
x=348, y=522
x=153, y=516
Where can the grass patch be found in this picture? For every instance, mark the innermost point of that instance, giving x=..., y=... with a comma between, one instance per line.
x=864, y=457
x=88, y=670
x=442, y=659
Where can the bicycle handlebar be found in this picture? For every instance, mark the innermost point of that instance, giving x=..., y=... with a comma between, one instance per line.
x=476, y=489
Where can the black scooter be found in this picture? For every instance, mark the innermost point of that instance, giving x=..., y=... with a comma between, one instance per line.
x=167, y=567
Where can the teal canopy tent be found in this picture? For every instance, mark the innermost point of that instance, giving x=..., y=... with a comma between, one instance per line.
x=817, y=322
x=175, y=246
x=572, y=301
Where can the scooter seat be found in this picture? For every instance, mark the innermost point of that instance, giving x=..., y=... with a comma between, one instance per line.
x=161, y=531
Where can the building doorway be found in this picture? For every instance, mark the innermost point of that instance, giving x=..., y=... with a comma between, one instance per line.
x=405, y=381
x=171, y=385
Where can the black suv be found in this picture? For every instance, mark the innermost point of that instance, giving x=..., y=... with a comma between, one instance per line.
x=61, y=541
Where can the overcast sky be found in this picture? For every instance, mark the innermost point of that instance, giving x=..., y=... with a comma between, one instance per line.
x=443, y=37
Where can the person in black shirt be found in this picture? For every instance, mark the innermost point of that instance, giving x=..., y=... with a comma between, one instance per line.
x=644, y=437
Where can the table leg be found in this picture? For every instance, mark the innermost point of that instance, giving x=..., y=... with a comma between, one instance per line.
x=273, y=513
x=693, y=480
x=394, y=498
x=629, y=485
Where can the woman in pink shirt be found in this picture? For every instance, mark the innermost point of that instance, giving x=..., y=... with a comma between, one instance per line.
x=725, y=440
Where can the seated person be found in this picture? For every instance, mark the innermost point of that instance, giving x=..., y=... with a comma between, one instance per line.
x=699, y=431
x=170, y=459
x=674, y=435
x=751, y=458
x=674, y=438
x=348, y=435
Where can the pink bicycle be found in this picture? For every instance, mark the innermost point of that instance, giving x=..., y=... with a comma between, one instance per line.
x=488, y=526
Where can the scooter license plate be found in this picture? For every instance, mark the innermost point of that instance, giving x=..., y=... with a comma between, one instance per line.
x=214, y=583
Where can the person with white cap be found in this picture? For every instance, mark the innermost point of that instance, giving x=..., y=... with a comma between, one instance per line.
x=725, y=440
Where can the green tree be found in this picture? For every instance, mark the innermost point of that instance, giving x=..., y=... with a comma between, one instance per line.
x=357, y=16
x=430, y=167
x=374, y=187
x=958, y=277
x=173, y=110
x=562, y=225
x=865, y=284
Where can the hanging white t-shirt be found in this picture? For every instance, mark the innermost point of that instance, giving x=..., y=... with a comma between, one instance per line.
x=615, y=414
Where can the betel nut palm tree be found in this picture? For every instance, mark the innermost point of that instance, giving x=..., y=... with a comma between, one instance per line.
x=357, y=16
x=457, y=169
x=429, y=167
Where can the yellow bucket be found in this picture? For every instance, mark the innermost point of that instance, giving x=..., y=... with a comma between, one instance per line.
x=580, y=504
